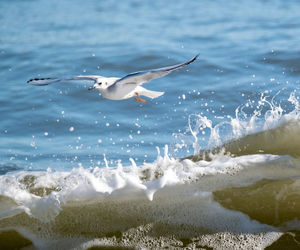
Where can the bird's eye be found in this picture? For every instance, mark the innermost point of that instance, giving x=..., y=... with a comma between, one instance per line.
x=99, y=83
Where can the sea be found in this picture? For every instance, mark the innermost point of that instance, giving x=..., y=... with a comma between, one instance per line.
x=214, y=163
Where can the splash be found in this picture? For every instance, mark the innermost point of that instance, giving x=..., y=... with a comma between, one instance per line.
x=265, y=114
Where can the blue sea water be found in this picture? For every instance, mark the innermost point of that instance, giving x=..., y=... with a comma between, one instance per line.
x=245, y=47
x=245, y=80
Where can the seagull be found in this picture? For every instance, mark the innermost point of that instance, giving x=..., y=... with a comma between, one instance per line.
x=114, y=88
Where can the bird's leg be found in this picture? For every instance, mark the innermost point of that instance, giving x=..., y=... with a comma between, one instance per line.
x=138, y=98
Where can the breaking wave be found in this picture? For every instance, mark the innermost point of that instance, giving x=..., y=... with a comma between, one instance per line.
x=197, y=200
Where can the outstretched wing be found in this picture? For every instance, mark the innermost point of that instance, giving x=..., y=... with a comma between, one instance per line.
x=46, y=81
x=148, y=75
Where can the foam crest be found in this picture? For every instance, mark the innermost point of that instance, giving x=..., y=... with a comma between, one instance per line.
x=43, y=194
x=166, y=198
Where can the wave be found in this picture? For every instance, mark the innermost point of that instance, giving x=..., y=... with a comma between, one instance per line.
x=166, y=199
x=283, y=140
x=223, y=196
x=277, y=133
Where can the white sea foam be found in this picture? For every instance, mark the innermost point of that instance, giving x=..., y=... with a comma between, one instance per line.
x=88, y=184
x=167, y=191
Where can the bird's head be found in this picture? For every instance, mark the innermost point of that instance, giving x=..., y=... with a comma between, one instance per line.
x=101, y=83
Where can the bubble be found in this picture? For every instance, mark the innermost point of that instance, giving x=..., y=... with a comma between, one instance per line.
x=71, y=129
x=99, y=141
x=46, y=133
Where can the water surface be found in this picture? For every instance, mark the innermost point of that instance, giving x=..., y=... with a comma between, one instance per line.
x=238, y=99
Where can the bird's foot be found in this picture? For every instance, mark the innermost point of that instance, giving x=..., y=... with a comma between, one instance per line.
x=138, y=98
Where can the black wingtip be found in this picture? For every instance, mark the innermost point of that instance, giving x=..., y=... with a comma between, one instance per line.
x=193, y=59
x=33, y=80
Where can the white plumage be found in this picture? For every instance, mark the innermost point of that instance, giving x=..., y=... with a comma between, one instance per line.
x=114, y=88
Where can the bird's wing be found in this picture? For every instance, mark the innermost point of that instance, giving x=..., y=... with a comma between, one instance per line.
x=147, y=75
x=46, y=81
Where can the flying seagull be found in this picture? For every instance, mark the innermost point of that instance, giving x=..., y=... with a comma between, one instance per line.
x=114, y=88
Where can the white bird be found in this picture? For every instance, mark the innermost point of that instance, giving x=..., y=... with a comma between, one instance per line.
x=114, y=88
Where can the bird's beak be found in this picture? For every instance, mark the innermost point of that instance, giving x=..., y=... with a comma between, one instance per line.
x=92, y=87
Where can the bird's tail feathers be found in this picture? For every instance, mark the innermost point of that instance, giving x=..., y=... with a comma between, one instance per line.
x=149, y=93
